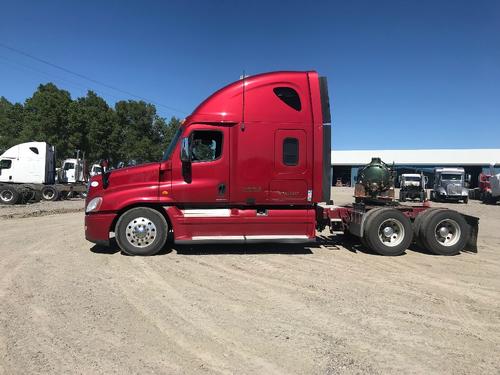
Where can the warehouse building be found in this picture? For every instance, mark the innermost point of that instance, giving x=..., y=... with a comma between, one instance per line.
x=345, y=164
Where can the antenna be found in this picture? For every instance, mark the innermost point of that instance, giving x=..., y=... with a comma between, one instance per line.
x=243, y=106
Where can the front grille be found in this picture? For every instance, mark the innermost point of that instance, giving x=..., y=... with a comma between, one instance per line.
x=454, y=189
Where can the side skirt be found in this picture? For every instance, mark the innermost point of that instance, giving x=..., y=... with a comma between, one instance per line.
x=247, y=239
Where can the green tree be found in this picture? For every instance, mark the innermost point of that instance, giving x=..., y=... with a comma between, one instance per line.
x=140, y=131
x=11, y=123
x=46, y=119
x=92, y=125
x=132, y=130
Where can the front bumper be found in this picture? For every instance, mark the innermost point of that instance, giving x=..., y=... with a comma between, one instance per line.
x=452, y=196
x=97, y=227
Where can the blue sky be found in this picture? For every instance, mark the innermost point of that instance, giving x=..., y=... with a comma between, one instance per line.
x=402, y=74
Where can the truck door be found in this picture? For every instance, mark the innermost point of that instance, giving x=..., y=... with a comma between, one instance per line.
x=69, y=171
x=205, y=180
x=291, y=173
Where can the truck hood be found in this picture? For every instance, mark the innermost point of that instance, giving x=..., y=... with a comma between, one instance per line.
x=132, y=175
x=125, y=178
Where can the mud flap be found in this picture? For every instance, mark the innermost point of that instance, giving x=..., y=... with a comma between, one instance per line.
x=473, y=222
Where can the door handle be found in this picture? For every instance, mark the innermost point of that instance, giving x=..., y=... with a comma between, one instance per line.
x=221, y=189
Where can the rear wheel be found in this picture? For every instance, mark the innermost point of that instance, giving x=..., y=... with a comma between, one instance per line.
x=444, y=232
x=9, y=195
x=417, y=225
x=50, y=193
x=466, y=200
x=388, y=232
x=141, y=231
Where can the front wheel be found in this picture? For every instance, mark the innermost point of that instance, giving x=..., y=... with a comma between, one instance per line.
x=141, y=231
x=388, y=232
x=9, y=195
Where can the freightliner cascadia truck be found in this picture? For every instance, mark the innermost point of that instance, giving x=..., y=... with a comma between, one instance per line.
x=251, y=164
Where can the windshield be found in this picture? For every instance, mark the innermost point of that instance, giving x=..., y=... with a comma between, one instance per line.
x=451, y=177
x=68, y=166
x=172, y=144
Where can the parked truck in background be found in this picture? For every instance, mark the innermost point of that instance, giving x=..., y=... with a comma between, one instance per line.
x=489, y=185
x=252, y=164
x=450, y=185
x=28, y=172
x=412, y=186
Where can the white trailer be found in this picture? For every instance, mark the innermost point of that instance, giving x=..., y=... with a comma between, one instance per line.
x=27, y=172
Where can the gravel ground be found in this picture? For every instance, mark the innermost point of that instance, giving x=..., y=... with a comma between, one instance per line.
x=41, y=208
x=67, y=306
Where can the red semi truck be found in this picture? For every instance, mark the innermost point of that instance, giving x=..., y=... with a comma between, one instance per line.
x=252, y=164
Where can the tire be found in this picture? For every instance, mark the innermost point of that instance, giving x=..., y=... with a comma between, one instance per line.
x=141, y=231
x=398, y=235
x=448, y=242
x=417, y=225
x=9, y=195
x=433, y=196
x=466, y=200
x=50, y=193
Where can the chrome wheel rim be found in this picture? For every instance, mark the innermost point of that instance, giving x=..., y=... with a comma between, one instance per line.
x=447, y=232
x=48, y=194
x=140, y=232
x=7, y=195
x=391, y=232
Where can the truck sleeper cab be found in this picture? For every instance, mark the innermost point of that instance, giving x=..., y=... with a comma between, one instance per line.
x=252, y=164
x=248, y=165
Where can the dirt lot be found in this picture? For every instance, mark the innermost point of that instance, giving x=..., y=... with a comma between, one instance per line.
x=69, y=307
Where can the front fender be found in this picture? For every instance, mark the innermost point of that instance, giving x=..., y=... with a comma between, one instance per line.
x=441, y=191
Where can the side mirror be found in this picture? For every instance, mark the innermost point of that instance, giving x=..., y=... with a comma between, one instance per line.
x=185, y=150
x=469, y=177
x=104, y=164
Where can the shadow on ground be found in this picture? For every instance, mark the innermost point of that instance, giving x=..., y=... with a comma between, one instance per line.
x=332, y=243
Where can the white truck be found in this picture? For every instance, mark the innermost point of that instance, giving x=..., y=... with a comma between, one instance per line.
x=27, y=172
x=450, y=185
x=412, y=186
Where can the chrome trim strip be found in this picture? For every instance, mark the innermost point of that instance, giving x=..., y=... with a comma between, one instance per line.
x=212, y=212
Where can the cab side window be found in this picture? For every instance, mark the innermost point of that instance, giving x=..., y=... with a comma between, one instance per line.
x=5, y=164
x=290, y=151
x=206, y=145
x=288, y=96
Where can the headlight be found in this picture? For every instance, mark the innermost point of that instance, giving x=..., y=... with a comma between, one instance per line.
x=94, y=204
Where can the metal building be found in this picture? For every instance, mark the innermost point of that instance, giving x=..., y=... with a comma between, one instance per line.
x=345, y=164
